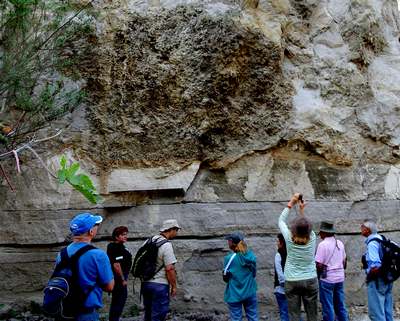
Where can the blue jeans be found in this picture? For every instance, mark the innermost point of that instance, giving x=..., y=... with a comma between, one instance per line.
x=119, y=295
x=331, y=296
x=380, y=300
x=283, y=306
x=92, y=316
x=250, y=307
x=155, y=301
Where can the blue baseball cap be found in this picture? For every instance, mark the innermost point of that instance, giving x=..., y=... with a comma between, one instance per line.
x=83, y=222
x=235, y=237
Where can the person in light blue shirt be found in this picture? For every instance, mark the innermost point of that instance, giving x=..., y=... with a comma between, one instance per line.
x=240, y=272
x=380, y=299
x=279, y=278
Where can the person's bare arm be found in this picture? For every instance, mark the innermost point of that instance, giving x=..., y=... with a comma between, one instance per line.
x=294, y=200
x=171, y=276
x=118, y=271
x=109, y=286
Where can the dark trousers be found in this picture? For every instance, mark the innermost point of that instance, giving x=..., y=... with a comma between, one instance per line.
x=90, y=316
x=155, y=301
x=305, y=291
x=118, y=300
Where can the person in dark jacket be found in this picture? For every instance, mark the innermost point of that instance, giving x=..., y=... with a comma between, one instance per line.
x=121, y=262
x=240, y=273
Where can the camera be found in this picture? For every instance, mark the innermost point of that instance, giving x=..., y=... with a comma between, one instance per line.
x=301, y=198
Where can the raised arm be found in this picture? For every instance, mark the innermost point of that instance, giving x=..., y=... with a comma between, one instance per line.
x=302, y=205
x=285, y=213
x=282, y=223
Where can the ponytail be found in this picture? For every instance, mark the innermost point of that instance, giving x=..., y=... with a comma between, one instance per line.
x=241, y=247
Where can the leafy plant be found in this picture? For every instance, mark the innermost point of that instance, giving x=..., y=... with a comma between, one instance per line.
x=41, y=43
x=37, y=63
x=80, y=182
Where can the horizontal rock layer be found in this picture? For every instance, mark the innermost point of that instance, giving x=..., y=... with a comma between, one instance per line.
x=199, y=271
x=197, y=220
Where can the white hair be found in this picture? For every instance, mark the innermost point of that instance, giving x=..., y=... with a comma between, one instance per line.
x=371, y=226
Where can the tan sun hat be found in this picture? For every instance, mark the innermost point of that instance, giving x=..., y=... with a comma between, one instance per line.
x=168, y=224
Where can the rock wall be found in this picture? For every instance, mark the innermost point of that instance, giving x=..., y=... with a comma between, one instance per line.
x=214, y=113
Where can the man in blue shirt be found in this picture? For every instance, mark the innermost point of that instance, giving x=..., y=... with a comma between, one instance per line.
x=380, y=300
x=95, y=274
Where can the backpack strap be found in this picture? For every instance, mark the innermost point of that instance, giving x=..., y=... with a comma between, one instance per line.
x=72, y=262
x=159, y=244
x=156, y=241
x=75, y=257
x=380, y=242
x=66, y=261
x=378, y=239
x=229, y=263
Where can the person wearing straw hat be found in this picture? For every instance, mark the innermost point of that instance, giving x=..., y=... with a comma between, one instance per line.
x=331, y=263
x=157, y=291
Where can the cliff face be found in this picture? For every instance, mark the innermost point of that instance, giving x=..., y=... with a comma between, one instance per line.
x=186, y=84
x=214, y=112
x=177, y=82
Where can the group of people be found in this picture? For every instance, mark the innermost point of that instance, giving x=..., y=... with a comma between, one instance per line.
x=302, y=271
x=99, y=271
x=159, y=287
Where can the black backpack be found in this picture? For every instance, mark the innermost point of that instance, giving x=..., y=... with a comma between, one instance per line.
x=145, y=263
x=390, y=268
x=63, y=298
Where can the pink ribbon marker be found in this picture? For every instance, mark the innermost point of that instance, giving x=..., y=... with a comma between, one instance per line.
x=17, y=161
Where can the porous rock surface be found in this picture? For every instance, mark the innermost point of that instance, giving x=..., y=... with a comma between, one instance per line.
x=222, y=109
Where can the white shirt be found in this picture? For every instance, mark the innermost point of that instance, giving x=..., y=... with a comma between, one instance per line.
x=165, y=257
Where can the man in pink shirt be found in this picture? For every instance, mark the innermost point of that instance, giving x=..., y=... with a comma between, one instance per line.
x=331, y=262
